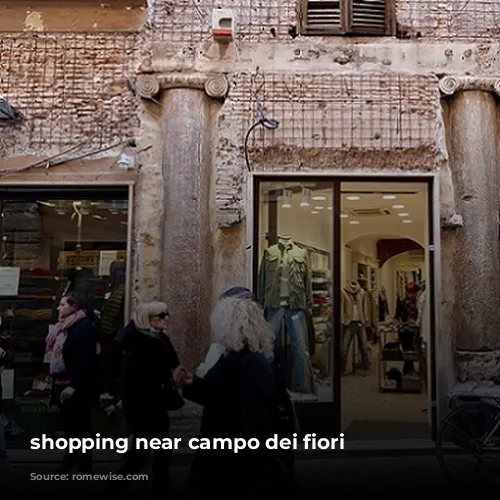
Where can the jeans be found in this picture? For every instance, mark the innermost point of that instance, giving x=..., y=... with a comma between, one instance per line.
x=355, y=329
x=76, y=415
x=296, y=328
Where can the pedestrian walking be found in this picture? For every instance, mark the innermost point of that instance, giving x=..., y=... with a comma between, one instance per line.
x=149, y=392
x=72, y=350
x=242, y=397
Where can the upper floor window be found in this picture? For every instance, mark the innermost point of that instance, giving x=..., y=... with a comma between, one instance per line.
x=345, y=17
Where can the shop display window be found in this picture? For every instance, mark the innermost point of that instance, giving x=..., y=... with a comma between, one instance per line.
x=53, y=243
x=294, y=282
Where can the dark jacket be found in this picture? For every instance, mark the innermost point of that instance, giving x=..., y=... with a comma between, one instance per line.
x=238, y=395
x=148, y=362
x=81, y=359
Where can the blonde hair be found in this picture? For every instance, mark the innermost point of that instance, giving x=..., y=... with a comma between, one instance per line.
x=239, y=323
x=145, y=310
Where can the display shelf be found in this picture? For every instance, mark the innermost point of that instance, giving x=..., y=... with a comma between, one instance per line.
x=392, y=378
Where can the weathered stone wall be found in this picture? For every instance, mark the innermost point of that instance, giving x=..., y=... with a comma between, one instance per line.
x=60, y=15
x=70, y=89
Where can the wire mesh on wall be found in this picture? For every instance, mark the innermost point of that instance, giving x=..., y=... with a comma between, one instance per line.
x=365, y=111
x=449, y=19
x=70, y=88
x=186, y=21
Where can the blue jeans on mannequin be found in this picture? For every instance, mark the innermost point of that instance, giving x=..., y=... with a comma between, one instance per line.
x=296, y=329
x=355, y=329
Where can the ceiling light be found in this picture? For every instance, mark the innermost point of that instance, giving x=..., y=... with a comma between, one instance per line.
x=398, y=206
x=343, y=215
x=305, y=197
x=329, y=208
x=407, y=221
x=319, y=198
x=352, y=198
x=319, y=208
x=314, y=212
x=404, y=214
x=287, y=198
x=389, y=197
x=354, y=222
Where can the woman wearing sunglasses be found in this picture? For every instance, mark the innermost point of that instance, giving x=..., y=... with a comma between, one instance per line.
x=150, y=364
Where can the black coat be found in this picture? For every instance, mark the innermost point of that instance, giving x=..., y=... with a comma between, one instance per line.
x=148, y=362
x=81, y=359
x=239, y=399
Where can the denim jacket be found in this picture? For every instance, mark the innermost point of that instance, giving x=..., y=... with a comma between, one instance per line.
x=299, y=278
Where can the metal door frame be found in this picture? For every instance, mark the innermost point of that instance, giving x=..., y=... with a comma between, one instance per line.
x=433, y=280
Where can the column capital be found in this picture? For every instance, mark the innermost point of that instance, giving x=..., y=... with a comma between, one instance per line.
x=451, y=84
x=149, y=85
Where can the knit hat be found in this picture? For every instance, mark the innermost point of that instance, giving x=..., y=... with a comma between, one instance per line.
x=239, y=292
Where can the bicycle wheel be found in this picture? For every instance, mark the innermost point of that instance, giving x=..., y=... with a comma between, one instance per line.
x=461, y=450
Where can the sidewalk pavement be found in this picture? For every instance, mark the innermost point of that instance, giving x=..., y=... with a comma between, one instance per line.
x=406, y=477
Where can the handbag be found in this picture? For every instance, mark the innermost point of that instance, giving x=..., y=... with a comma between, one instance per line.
x=174, y=400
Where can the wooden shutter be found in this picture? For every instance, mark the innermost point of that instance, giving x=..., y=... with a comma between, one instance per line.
x=368, y=17
x=321, y=17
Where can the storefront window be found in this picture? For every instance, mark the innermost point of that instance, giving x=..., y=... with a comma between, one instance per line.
x=53, y=243
x=295, y=282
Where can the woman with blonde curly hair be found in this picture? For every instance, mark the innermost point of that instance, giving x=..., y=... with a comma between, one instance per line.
x=238, y=388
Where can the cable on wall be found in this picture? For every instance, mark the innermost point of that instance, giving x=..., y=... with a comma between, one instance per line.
x=263, y=121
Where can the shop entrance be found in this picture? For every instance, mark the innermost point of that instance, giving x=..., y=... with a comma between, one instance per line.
x=345, y=272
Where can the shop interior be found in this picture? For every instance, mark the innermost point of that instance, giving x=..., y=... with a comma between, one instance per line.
x=385, y=318
x=48, y=248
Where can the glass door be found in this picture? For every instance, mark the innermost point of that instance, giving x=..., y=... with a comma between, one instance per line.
x=294, y=269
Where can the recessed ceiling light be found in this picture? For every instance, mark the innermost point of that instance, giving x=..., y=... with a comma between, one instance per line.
x=398, y=206
x=343, y=216
x=389, y=197
x=314, y=212
x=403, y=214
x=319, y=208
x=319, y=198
x=352, y=198
x=354, y=222
x=329, y=208
x=407, y=221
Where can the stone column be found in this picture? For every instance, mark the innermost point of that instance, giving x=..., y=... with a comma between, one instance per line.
x=188, y=118
x=474, y=257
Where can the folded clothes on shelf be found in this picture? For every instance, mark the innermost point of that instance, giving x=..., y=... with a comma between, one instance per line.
x=34, y=314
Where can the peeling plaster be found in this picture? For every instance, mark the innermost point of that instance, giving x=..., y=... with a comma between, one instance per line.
x=34, y=21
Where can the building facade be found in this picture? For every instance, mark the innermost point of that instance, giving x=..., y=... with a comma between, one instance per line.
x=141, y=109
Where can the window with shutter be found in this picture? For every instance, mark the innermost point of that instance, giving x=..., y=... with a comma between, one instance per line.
x=357, y=17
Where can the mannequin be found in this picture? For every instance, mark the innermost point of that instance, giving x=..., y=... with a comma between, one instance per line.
x=371, y=317
x=354, y=320
x=383, y=305
x=408, y=331
x=285, y=292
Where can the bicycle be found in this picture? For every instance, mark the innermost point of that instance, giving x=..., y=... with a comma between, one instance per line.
x=470, y=434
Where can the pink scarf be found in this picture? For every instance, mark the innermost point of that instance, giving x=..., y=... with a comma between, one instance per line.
x=54, y=342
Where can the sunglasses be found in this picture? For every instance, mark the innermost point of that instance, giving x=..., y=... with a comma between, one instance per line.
x=161, y=315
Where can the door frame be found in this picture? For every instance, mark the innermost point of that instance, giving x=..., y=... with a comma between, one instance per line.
x=325, y=418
